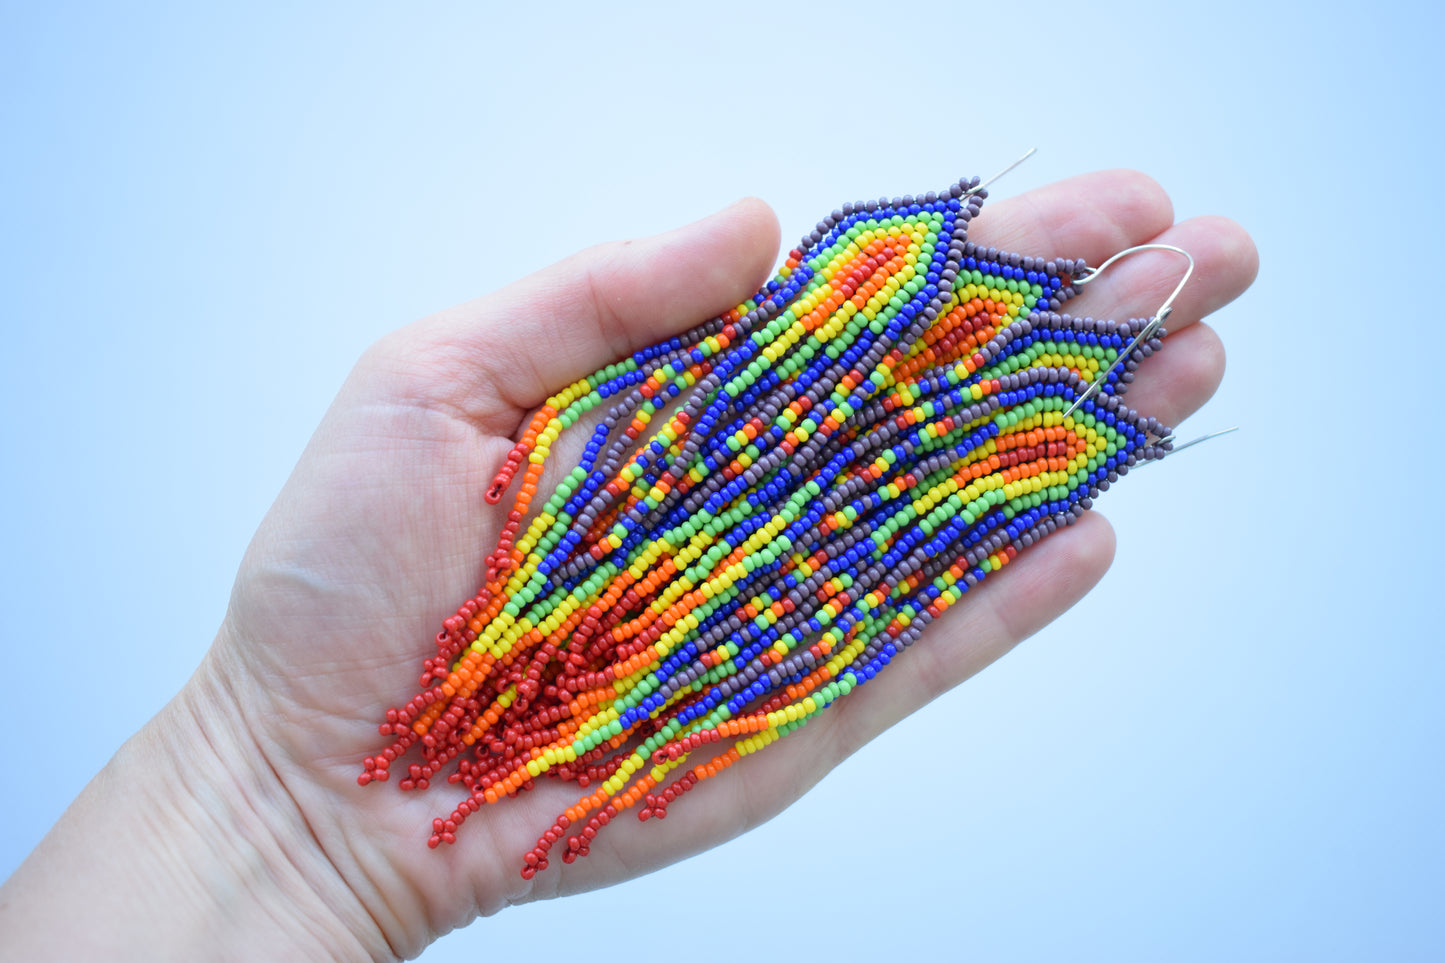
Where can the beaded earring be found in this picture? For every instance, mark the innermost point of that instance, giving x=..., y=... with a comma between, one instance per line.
x=837, y=461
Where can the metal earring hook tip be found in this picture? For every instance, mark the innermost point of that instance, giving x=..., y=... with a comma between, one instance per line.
x=983, y=185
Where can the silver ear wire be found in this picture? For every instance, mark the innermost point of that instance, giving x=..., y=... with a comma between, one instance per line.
x=984, y=184
x=1189, y=444
x=1155, y=323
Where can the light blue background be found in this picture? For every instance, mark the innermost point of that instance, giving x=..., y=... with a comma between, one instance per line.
x=1231, y=750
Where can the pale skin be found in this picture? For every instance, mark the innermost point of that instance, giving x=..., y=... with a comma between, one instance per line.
x=232, y=826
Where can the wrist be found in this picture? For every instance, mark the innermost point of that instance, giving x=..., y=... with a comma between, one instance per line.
x=186, y=845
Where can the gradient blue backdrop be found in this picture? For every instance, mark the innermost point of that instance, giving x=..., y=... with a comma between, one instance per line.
x=1231, y=750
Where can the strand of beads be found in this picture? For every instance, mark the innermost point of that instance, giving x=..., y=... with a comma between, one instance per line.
x=831, y=466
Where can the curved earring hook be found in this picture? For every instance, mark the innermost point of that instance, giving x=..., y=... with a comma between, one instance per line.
x=1155, y=323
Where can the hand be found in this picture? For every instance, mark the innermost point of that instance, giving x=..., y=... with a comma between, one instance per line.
x=382, y=530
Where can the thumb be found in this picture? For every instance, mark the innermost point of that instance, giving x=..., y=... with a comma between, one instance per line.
x=530, y=339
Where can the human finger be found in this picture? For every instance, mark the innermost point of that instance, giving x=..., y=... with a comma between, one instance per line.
x=1090, y=216
x=515, y=347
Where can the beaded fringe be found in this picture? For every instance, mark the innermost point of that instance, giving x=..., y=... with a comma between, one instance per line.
x=840, y=459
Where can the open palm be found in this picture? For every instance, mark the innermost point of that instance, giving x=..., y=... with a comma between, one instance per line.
x=382, y=529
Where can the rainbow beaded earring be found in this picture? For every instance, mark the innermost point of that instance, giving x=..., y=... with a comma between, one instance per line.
x=837, y=461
